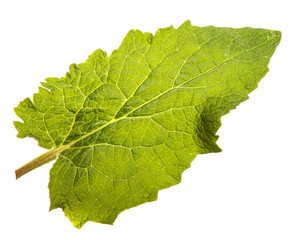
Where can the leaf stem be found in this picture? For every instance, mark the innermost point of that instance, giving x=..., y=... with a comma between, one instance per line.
x=37, y=162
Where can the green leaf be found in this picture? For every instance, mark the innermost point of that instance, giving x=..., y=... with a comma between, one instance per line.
x=126, y=126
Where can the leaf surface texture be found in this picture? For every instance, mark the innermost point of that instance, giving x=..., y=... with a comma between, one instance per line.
x=131, y=123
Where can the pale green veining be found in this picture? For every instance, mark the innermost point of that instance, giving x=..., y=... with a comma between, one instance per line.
x=131, y=123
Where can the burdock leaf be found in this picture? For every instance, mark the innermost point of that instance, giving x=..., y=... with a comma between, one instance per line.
x=124, y=127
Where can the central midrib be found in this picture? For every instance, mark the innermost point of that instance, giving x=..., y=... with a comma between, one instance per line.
x=114, y=120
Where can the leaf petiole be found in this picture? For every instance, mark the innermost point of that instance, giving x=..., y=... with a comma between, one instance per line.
x=39, y=161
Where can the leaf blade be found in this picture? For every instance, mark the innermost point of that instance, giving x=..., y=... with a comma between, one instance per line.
x=131, y=123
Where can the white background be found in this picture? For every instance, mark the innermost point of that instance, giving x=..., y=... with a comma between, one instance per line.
x=245, y=192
